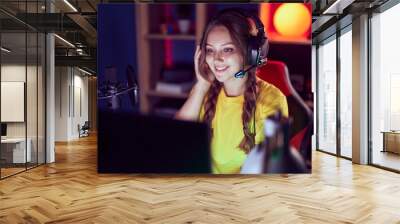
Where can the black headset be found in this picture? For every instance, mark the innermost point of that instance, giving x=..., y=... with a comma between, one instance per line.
x=256, y=45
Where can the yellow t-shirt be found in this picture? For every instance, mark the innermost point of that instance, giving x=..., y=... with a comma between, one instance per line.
x=227, y=157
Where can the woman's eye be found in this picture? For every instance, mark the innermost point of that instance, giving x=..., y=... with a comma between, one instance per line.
x=209, y=50
x=228, y=50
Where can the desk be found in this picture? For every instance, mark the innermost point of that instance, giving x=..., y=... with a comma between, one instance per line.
x=391, y=141
x=15, y=148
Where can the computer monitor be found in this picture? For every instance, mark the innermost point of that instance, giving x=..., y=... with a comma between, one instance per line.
x=3, y=129
x=136, y=143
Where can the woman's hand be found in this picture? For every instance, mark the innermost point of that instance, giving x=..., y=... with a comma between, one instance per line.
x=202, y=84
x=191, y=109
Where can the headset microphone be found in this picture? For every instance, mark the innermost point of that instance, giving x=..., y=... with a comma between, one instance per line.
x=241, y=73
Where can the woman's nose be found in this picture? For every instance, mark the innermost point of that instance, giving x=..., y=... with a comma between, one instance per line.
x=218, y=56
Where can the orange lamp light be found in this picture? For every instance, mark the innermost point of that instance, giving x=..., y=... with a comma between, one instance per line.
x=292, y=19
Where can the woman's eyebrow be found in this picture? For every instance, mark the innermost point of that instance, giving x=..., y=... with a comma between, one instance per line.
x=229, y=43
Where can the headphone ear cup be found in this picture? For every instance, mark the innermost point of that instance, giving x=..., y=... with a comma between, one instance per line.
x=253, y=53
x=254, y=57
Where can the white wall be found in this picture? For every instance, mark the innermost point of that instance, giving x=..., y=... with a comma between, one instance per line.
x=81, y=103
x=14, y=73
x=70, y=84
x=61, y=103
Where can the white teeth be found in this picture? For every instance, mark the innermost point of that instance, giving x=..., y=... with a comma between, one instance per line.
x=221, y=69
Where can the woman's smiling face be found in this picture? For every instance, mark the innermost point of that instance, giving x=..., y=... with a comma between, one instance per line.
x=222, y=56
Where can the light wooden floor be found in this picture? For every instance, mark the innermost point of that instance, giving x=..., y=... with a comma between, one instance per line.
x=10, y=171
x=5, y=172
x=71, y=191
x=387, y=159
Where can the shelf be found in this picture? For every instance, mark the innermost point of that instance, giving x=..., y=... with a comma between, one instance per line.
x=150, y=38
x=154, y=93
x=170, y=37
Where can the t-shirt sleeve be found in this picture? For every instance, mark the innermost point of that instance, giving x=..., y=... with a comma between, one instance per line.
x=273, y=100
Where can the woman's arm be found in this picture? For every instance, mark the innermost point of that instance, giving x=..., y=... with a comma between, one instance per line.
x=191, y=109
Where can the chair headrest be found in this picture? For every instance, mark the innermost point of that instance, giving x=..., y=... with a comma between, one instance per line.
x=276, y=73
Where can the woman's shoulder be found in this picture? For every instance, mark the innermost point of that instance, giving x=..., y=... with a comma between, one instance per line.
x=267, y=91
x=270, y=98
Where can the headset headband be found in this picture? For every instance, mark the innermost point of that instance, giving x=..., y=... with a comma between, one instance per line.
x=259, y=25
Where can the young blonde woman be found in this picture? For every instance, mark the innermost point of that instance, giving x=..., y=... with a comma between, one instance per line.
x=228, y=95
